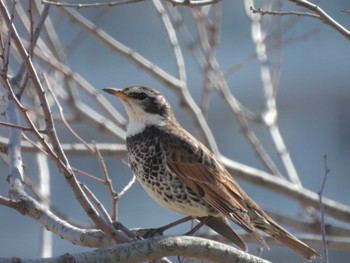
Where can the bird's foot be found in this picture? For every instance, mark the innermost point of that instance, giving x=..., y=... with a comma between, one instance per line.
x=149, y=232
x=202, y=222
x=119, y=226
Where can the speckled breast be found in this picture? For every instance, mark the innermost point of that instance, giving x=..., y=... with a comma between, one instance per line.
x=147, y=161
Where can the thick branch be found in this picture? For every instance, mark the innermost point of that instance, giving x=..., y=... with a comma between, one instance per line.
x=155, y=248
x=84, y=237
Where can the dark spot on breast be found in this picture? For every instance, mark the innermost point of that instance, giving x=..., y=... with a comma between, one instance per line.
x=169, y=196
x=154, y=174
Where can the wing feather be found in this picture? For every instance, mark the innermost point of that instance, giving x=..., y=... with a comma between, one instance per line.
x=198, y=169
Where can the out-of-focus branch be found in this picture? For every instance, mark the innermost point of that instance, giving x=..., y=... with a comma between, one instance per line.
x=193, y=2
x=315, y=241
x=270, y=114
x=94, y=5
x=112, y=149
x=45, y=190
x=302, y=195
x=173, y=40
x=310, y=226
x=235, y=106
x=320, y=195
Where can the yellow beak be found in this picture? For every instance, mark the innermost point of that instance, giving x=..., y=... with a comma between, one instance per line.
x=116, y=92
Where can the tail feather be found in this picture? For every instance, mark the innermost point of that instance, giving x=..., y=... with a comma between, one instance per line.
x=219, y=225
x=291, y=241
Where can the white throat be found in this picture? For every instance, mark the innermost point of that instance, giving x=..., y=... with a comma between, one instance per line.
x=144, y=119
x=139, y=119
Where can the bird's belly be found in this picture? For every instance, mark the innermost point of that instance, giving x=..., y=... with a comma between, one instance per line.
x=183, y=206
x=168, y=190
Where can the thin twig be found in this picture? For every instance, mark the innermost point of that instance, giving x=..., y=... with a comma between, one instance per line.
x=16, y=126
x=97, y=203
x=317, y=12
x=193, y=2
x=88, y=175
x=327, y=19
x=8, y=45
x=108, y=182
x=110, y=4
x=269, y=114
x=281, y=13
x=320, y=194
x=173, y=40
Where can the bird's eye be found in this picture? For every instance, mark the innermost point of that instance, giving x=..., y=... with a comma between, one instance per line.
x=138, y=96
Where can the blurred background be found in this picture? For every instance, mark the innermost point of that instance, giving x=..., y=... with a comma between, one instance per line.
x=312, y=102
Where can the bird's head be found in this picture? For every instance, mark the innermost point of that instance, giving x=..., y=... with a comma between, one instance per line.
x=144, y=106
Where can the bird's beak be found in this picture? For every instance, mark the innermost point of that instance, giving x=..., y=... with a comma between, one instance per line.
x=116, y=92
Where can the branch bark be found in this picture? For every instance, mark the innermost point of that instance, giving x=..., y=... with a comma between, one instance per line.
x=155, y=248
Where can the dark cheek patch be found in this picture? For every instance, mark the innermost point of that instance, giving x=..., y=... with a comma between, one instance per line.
x=151, y=106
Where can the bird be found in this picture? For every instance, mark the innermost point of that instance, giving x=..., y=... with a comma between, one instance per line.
x=183, y=175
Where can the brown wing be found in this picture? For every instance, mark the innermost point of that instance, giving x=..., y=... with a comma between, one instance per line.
x=198, y=169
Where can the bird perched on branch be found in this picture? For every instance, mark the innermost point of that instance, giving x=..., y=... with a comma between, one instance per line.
x=181, y=174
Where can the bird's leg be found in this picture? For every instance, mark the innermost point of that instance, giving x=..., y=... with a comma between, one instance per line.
x=151, y=232
x=203, y=221
x=119, y=226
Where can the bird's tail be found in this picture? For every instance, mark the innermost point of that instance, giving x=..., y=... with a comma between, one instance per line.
x=276, y=231
x=219, y=225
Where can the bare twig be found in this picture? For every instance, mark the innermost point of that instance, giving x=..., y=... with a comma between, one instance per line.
x=110, y=4
x=88, y=175
x=327, y=19
x=193, y=2
x=316, y=12
x=320, y=194
x=16, y=126
x=269, y=115
x=281, y=13
x=108, y=182
x=173, y=40
x=96, y=202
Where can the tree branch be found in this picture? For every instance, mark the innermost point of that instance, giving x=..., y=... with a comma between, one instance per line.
x=155, y=248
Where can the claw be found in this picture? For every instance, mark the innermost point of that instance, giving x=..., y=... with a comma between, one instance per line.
x=149, y=232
